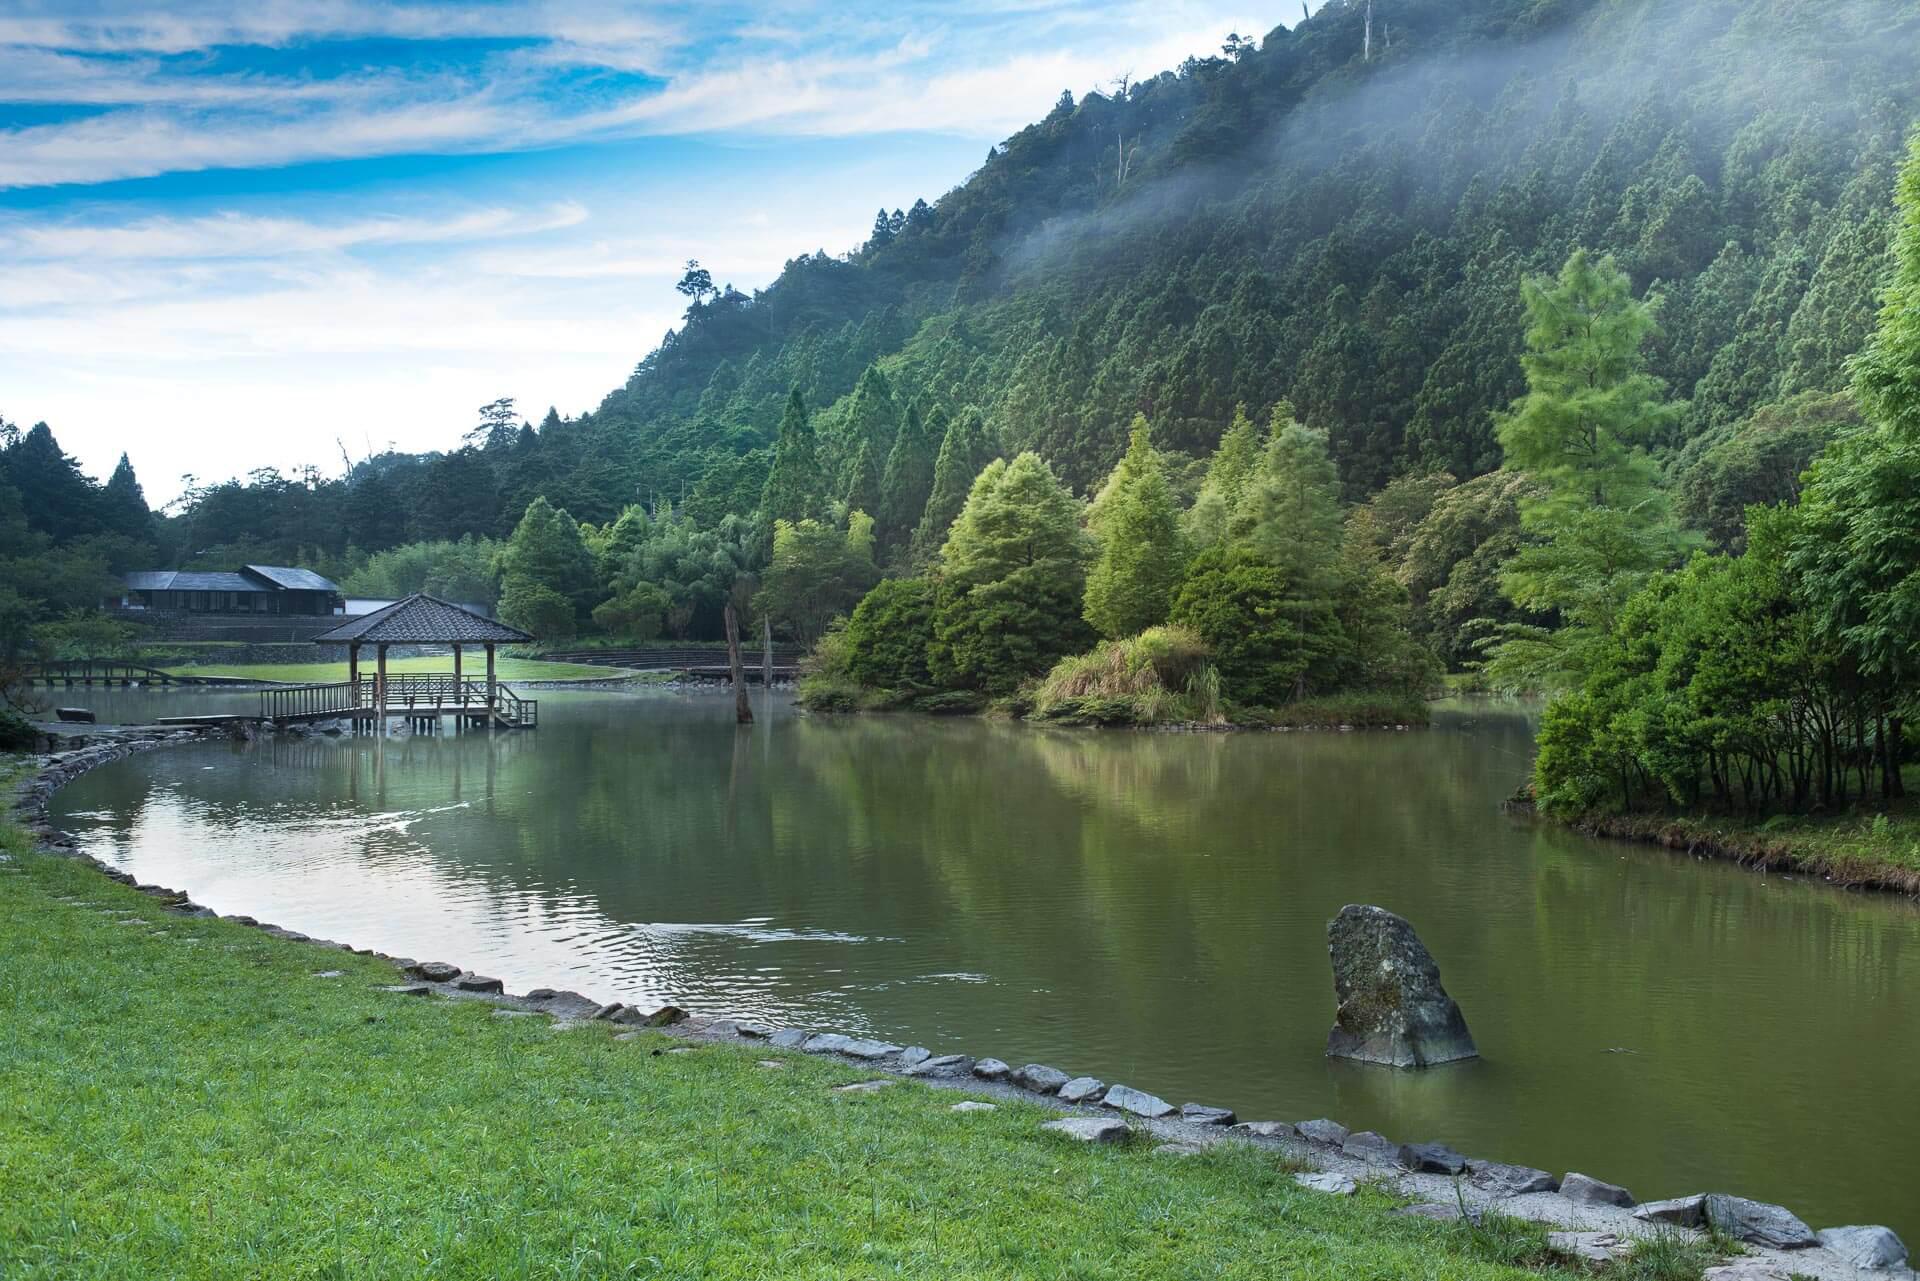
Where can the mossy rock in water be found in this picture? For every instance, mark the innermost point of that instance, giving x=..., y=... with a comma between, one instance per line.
x=1392, y=1007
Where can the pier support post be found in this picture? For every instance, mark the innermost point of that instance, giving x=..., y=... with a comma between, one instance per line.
x=380, y=686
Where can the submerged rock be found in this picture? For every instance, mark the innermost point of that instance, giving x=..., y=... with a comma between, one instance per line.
x=1392, y=1007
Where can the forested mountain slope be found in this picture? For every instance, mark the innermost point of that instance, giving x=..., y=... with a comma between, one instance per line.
x=1307, y=217
x=1298, y=220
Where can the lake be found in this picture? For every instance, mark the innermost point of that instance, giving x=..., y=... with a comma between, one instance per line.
x=1147, y=908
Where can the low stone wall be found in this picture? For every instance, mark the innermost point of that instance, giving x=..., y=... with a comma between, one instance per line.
x=1595, y=1223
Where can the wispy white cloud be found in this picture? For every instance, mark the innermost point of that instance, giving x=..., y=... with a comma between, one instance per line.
x=237, y=235
x=935, y=67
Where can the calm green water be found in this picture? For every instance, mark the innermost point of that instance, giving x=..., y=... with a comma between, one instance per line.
x=1146, y=908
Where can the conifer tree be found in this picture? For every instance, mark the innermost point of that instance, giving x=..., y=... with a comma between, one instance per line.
x=964, y=450
x=795, y=487
x=1011, y=574
x=909, y=475
x=1142, y=555
x=1228, y=473
x=1582, y=430
x=124, y=507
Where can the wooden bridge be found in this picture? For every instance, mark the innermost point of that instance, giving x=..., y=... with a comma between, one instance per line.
x=115, y=671
x=422, y=700
x=701, y=662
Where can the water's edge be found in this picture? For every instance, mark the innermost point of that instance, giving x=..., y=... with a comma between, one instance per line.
x=1331, y=1148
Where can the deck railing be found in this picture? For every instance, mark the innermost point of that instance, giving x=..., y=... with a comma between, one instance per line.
x=408, y=694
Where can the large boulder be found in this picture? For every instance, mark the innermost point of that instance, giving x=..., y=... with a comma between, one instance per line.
x=1758, y=1223
x=1392, y=1007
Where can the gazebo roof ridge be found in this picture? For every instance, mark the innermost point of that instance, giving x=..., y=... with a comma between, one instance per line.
x=421, y=619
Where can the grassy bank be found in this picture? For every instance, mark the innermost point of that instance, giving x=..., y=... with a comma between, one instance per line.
x=475, y=666
x=187, y=1098
x=1866, y=851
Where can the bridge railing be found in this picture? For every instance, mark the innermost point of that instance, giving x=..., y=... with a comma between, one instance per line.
x=290, y=701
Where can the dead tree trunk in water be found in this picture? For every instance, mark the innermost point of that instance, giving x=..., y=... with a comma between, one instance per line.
x=742, y=709
x=766, y=653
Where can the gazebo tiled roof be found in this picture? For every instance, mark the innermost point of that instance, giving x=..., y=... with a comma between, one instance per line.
x=421, y=619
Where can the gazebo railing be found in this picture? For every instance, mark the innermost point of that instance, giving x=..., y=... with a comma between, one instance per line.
x=414, y=692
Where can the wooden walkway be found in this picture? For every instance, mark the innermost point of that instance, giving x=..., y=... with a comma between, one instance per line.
x=423, y=699
x=114, y=671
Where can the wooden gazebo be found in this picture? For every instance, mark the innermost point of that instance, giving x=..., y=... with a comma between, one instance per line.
x=421, y=619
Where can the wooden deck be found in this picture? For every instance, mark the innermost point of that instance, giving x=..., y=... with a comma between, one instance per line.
x=423, y=699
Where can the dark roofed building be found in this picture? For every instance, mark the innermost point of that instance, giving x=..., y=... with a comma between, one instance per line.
x=421, y=619
x=256, y=589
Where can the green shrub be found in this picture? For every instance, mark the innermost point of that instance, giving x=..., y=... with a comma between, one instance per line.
x=1239, y=607
x=17, y=733
x=994, y=635
x=889, y=635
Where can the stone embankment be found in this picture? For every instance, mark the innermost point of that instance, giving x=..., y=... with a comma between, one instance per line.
x=1594, y=1223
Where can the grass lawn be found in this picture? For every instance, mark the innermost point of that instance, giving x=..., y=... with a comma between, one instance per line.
x=186, y=1099
x=474, y=667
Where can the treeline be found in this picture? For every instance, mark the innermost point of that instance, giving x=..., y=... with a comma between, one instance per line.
x=1783, y=677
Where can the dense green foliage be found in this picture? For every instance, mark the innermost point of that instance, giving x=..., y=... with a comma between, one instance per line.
x=1142, y=553
x=1782, y=678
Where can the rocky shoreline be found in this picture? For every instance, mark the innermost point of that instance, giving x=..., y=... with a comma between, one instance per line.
x=1593, y=1223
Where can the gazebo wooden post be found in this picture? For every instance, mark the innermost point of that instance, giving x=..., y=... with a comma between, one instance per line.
x=459, y=685
x=490, y=684
x=353, y=682
x=380, y=685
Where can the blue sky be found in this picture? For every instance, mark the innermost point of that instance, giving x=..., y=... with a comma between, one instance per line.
x=247, y=233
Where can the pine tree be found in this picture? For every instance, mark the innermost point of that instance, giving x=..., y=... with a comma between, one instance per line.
x=1291, y=513
x=1011, y=574
x=547, y=578
x=124, y=504
x=795, y=486
x=1582, y=429
x=1228, y=473
x=964, y=450
x=908, y=478
x=59, y=499
x=1130, y=587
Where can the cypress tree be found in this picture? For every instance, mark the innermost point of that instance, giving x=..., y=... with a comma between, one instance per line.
x=1130, y=587
x=794, y=487
x=909, y=476
x=964, y=450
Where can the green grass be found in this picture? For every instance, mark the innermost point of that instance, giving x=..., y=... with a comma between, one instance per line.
x=475, y=666
x=185, y=1099
x=1858, y=848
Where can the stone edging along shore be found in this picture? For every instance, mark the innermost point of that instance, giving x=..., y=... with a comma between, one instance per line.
x=1595, y=1223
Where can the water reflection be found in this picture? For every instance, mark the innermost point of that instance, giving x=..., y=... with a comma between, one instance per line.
x=1147, y=907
